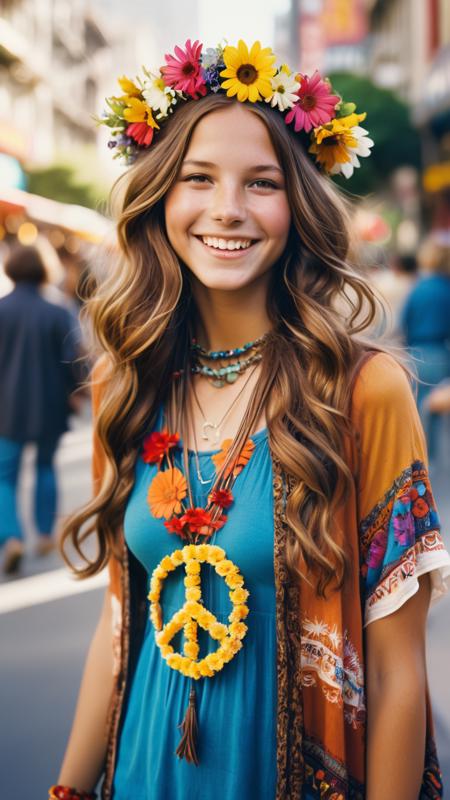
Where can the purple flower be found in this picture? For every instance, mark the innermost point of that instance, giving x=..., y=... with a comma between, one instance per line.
x=211, y=76
x=377, y=549
x=124, y=140
x=404, y=529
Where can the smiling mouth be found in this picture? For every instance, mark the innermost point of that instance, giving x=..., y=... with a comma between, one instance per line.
x=216, y=243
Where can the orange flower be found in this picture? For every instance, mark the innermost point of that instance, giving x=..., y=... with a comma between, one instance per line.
x=166, y=492
x=239, y=462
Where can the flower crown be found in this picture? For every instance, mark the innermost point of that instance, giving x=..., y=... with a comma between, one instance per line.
x=308, y=103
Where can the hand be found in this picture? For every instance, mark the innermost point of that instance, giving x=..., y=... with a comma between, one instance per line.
x=438, y=401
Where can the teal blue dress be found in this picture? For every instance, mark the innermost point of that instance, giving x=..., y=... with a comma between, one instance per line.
x=237, y=707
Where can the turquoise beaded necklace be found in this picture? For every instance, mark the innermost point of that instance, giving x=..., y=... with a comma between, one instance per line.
x=214, y=355
x=229, y=374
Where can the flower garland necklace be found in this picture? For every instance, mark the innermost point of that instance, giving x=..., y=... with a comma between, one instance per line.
x=167, y=500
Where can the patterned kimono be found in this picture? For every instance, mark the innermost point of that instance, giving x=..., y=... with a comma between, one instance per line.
x=390, y=530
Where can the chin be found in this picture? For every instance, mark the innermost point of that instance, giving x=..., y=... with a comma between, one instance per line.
x=227, y=283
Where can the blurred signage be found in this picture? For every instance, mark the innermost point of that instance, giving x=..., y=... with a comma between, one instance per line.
x=344, y=21
x=324, y=24
x=436, y=177
x=312, y=44
x=311, y=35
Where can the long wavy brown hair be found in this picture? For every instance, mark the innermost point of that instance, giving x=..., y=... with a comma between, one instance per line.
x=141, y=311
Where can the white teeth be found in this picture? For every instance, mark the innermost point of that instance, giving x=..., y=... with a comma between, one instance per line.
x=226, y=244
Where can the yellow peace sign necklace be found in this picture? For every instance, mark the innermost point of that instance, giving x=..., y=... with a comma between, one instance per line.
x=167, y=500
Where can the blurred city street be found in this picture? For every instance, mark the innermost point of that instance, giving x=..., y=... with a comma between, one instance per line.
x=46, y=644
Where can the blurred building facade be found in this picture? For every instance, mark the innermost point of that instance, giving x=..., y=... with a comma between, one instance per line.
x=328, y=35
x=54, y=59
x=410, y=53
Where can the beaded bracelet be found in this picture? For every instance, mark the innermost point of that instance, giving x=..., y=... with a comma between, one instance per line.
x=67, y=793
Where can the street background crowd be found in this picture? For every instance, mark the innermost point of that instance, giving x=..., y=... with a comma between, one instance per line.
x=58, y=60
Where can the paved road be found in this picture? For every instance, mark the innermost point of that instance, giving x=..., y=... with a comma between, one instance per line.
x=43, y=649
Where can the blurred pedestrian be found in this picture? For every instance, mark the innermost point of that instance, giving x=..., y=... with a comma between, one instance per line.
x=260, y=475
x=395, y=283
x=37, y=378
x=438, y=401
x=425, y=323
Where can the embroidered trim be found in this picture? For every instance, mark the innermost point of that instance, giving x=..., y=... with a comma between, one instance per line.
x=406, y=512
x=326, y=776
x=329, y=657
x=416, y=561
x=432, y=786
x=121, y=680
x=290, y=765
x=381, y=506
x=116, y=615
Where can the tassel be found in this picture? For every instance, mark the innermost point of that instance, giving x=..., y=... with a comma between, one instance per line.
x=188, y=744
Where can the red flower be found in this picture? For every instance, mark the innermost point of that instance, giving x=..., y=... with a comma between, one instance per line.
x=196, y=519
x=420, y=508
x=221, y=497
x=219, y=523
x=175, y=525
x=141, y=133
x=157, y=445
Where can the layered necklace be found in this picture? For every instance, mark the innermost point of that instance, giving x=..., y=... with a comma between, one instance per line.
x=170, y=498
x=227, y=373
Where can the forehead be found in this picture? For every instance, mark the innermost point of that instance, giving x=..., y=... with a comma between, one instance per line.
x=233, y=133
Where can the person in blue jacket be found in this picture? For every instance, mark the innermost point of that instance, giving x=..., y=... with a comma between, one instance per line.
x=425, y=322
x=37, y=378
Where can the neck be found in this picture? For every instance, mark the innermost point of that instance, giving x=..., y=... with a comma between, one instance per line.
x=230, y=319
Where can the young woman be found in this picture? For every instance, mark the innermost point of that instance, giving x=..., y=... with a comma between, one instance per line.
x=260, y=472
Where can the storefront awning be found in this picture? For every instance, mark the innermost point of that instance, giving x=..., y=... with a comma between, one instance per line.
x=84, y=222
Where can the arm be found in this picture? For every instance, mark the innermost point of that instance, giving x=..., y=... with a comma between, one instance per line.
x=86, y=750
x=396, y=697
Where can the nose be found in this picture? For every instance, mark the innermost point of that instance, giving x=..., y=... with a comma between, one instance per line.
x=228, y=204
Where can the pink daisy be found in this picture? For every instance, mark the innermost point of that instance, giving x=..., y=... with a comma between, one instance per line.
x=183, y=72
x=315, y=106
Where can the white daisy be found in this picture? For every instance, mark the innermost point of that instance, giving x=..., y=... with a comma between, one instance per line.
x=159, y=97
x=284, y=86
x=362, y=149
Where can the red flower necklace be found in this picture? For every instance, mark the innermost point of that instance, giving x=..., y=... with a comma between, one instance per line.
x=168, y=490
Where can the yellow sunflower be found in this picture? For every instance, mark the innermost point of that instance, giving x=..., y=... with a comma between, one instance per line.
x=334, y=141
x=248, y=73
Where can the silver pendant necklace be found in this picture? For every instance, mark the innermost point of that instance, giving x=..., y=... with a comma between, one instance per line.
x=215, y=427
x=211, y=425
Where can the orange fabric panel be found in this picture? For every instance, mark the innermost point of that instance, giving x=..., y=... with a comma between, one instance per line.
x=389, y=429
x=99, y=461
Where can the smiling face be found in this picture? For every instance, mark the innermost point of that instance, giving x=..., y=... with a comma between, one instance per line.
x=227, y=215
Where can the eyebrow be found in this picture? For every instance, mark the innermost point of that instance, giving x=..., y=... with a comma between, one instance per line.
x=255, y=168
